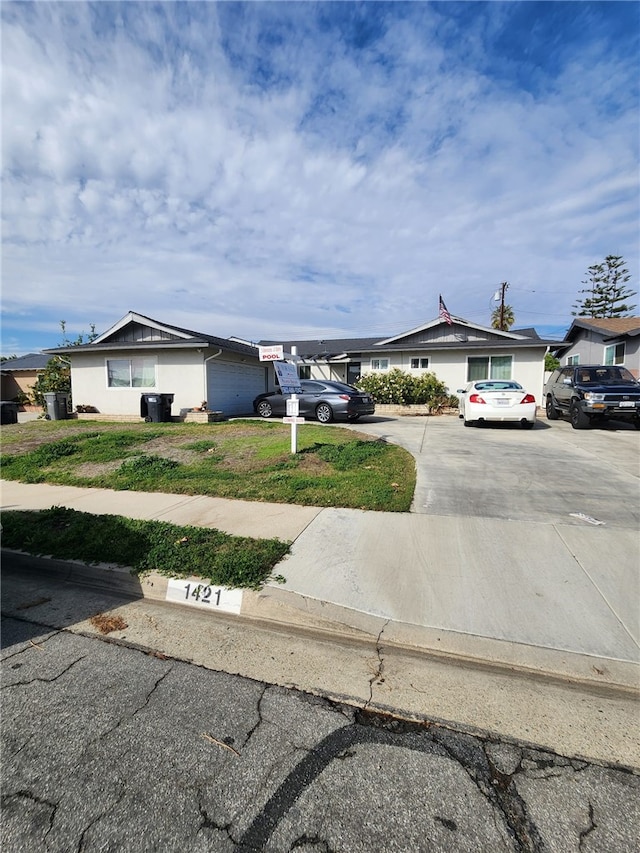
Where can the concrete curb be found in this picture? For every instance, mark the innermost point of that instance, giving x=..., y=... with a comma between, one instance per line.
x=288, y=610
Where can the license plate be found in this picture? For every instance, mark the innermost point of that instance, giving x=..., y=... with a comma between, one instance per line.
x=502, y=402
x=626, y=404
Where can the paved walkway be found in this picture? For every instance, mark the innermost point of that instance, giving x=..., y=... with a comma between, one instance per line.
x=464, y=588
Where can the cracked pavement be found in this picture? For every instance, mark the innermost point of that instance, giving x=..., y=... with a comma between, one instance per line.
x=107, y=747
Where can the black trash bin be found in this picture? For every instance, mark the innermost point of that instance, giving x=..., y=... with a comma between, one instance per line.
x=156, y=408
x=57, y=404
x=8, y=412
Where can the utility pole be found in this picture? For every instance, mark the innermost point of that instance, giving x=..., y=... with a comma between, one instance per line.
x=503, y=289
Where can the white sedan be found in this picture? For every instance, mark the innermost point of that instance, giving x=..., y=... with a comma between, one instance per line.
x=498, y=400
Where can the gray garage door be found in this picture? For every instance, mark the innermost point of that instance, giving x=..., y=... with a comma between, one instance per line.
x=232, y=386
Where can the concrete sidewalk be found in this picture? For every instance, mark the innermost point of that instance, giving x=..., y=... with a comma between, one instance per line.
x=462, y=589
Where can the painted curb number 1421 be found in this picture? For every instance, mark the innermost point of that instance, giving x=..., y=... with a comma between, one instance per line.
x=204, y=595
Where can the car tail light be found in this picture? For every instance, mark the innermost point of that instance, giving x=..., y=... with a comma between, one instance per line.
x=344, y=396
x=476, y=398
x=528, y=398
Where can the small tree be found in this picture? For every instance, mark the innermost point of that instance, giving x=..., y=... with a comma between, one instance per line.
x=502, y=318
x=56, y=376
x=606, y=290
x=551, y=363
x=66, y=342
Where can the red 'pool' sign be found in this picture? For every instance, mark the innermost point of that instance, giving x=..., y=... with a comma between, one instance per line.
x=273, y=353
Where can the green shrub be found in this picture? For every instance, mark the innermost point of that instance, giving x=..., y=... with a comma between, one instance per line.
x=401, y=388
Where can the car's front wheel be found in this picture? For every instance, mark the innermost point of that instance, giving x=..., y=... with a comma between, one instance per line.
x=552, y=413
x=324, y=413
x=264, y=409
x=578, y=418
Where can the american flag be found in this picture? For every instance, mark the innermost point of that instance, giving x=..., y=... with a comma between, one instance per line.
x=444, y=313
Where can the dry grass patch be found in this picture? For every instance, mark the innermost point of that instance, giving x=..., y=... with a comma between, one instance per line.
x=107, y=624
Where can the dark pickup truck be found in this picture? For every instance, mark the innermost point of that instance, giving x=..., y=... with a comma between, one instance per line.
x=590, y=393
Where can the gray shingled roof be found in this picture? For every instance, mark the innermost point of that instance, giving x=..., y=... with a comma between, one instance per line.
x=31, y=361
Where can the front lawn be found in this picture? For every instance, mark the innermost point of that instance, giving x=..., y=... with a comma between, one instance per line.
x=244, y=459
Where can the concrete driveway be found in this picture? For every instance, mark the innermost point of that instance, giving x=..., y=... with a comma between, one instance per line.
x=501, y=471
x=524, y=537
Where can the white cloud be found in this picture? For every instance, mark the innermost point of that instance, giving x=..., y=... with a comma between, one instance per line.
x=261, y=169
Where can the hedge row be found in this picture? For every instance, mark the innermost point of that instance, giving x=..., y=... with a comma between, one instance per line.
x=401, y=388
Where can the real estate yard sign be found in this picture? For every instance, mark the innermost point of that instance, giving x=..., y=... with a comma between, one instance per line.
x=288, y=380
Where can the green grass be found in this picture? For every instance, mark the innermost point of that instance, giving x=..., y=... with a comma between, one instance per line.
x=172, y=550
x=249, y=460
x=238, y=459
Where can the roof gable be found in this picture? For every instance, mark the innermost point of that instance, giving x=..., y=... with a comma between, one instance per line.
x=458, y=330
x=136, y=327
x=606, y=326
x=136, y=330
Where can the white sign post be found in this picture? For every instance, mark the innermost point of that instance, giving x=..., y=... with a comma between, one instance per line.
x=289, y=382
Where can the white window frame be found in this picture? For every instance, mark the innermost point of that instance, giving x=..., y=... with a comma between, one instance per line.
x=379, y=364
x=573, y=359
x=611, y=355
x=131, y=387
x=423, y=363
x=489, y=360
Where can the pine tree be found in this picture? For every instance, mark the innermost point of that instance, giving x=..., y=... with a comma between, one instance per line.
x=606, y=290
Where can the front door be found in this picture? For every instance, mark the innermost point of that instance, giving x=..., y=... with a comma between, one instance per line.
x=353, y=372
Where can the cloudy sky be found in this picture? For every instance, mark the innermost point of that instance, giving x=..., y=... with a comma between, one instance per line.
x=280, y=170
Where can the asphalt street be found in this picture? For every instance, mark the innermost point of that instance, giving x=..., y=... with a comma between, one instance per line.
x=113, y=748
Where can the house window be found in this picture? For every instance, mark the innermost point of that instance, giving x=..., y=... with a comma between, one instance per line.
x=489, y=367
x=614, y=354
x=379, y=364
x=419, y=363
x=131, y=372
x=305, y=371
x=573, y=359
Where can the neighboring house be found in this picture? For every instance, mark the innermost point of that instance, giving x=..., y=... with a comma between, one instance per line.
x=19, y=375
x=602, y=341
x=141, y=355
x=456, y=353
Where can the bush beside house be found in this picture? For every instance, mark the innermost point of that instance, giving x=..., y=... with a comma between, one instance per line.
x=398, y=388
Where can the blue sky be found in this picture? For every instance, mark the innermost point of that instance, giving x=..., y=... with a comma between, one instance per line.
x=292, y=170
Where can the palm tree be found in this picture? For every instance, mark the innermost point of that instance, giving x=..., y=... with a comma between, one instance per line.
x=507, y=318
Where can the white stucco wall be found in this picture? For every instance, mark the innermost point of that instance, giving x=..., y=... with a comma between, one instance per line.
x=179, y=372
x=451, y=366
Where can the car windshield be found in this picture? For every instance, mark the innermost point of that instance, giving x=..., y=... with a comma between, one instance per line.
x=597, y=375
x=498, y=386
